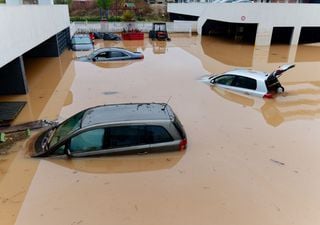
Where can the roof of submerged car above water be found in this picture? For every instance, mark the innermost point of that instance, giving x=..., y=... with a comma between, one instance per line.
x=126, y=112
x=257, y=75
x=111, y=54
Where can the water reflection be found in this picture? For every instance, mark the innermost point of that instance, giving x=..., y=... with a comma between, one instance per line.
x=308, y=53
x=114, y=64
x=278, y=53
x=132, y=45
x=49, y=81
x=122, y=164
x=227, y=52
x=300, y=101
x=159, y=47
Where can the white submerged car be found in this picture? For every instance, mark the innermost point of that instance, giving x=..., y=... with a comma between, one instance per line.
x=251, y=82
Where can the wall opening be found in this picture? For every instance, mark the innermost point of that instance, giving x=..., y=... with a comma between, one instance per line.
x=175, y=16
x=282, y=35
x=309, y=35
x=238, y=32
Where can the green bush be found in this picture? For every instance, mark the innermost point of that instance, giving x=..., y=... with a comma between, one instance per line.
x=85, y=18
x=115, y=19
x=128, y=16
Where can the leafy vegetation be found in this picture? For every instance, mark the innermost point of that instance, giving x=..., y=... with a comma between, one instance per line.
x=115, y=10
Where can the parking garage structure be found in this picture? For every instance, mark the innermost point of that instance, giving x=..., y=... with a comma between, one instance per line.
x=29, y=31
x=260, y=24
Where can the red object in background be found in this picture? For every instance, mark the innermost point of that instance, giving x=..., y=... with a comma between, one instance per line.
x=91, y=36
x=132, y=35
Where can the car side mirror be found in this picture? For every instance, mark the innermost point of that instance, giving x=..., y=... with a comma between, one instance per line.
x=212, y=81
x=94, y=59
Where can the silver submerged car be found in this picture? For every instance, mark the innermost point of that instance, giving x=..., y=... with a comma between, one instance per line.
x=81, y=42
x=114, y=129
x=110, y=54
x=251, y=82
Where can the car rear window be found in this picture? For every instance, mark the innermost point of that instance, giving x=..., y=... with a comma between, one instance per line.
x=157, y=134
x=81, y=40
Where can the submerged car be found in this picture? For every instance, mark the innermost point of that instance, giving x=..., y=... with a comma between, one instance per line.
x=251, y=82
x=114, y=129
x=81, y=42
x=106, y=36
x=110, y=54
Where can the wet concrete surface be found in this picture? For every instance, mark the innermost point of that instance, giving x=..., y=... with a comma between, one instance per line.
x=248, y=161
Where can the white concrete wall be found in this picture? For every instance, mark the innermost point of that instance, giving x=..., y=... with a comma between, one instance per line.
x=23, y=27
x=265, y=15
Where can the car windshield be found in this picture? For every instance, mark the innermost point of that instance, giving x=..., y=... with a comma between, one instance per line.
x=65, y=128
x=81, y=40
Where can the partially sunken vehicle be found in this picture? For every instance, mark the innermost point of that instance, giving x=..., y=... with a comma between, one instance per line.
x=251, y=82
x=111, y=54
x=114, y=129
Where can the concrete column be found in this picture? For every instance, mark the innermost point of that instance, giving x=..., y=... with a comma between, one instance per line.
x=13, y=78
x=201, y=22
x=264, y=35
x=295, y=35
x=14, y=2
x=45, y=2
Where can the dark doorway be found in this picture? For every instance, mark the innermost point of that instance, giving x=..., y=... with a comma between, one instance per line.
x=282, y=35
x=309, y=35
x=238, y=32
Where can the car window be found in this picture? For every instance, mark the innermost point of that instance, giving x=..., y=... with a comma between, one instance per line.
x=103, y=55
x=67, y=127
x=81, y=40
x=224, y=79
x=116, y=54
x=245, y=82
x=157, y=134
x=87, y=141
x=124, y=136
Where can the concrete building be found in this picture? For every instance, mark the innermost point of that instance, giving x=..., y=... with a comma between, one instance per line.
x=38, y=30
x=256, y=23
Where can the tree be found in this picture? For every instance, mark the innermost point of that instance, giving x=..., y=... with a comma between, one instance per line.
x=105, y=5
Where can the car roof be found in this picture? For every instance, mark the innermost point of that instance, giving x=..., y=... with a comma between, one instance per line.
x=111, y=49
x=126, y=112
x=258, y=75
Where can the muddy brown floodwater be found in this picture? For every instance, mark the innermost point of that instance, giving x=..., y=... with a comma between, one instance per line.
x=248, y=161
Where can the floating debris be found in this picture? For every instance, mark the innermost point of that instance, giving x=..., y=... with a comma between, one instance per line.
x=277, y=162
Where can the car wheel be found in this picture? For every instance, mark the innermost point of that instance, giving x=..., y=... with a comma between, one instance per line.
x=280, y=89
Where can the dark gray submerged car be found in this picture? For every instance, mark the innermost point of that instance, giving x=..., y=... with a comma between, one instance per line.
x=114, y=129
x=110, y=54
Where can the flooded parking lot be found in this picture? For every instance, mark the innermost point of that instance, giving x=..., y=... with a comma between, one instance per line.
x=248, y=161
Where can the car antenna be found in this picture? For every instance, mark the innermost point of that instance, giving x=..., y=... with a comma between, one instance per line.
x=165, y=105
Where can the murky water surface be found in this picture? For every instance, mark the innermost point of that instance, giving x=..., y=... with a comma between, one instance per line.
x=249, y=160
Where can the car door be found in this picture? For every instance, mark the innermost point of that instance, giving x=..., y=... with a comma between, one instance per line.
x=102, y=56
x=244, y=85
x=87, y=143
x=118, y=55
x=278, y=72
x=223, y=81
